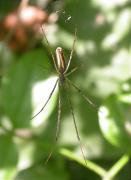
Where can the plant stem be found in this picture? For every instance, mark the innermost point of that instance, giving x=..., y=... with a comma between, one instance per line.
x=89, y=164
x=117, y=167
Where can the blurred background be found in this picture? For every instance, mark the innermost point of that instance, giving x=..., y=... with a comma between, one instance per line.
x=102, y=55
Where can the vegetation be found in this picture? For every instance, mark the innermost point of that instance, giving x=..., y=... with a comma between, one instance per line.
x=102, y=56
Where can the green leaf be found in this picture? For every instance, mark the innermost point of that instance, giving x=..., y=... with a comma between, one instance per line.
x=17, y=87
x=55, y=171
x=8, y=157
x=112, y=120
x=8, y=152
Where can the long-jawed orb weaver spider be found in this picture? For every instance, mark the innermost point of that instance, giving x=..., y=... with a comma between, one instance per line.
x=62, y=81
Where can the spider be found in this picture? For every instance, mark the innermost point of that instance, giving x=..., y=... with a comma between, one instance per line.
x=62, y=69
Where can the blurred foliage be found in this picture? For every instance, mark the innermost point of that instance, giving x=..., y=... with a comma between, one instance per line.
x=103, y=57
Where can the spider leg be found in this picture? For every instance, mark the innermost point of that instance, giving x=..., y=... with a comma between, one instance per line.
x=49, y=48
x=72, y=51
x=46, y=101
x=82, y=94
x=59, y=116
x=57, y=128
x=73, y=70
x=76, y=129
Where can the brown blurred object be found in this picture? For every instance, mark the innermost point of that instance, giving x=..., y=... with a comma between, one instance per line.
x=20, y=26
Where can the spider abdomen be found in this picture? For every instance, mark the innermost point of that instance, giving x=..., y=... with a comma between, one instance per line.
x=60, y=60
